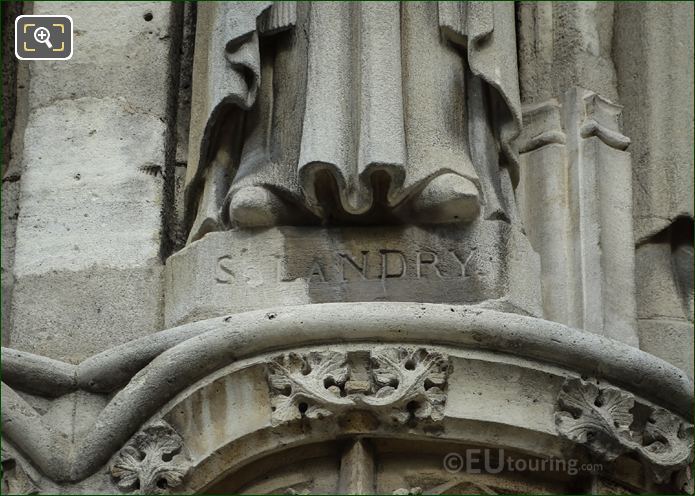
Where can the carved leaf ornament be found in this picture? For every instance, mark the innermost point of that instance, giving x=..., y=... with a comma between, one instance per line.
x=146, y=463
x=397, y=384
x=601, y=418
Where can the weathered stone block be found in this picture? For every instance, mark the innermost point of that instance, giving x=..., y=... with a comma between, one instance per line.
x=130, y=62
x=89, y=227
x=235, y=271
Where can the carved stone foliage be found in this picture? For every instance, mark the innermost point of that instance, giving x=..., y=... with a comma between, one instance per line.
x=597, y=418
x=398, y=385
x=151, y=462
x=604, y=419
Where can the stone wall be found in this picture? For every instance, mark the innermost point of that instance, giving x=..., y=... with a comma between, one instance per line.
x=98, y=140
x=309, y=247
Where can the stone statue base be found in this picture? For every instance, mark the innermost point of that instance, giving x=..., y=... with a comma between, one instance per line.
x=234, y=271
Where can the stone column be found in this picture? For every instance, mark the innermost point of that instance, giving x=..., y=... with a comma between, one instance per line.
x=575, y=192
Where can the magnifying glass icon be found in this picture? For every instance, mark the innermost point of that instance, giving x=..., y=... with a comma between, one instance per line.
x=43, y=35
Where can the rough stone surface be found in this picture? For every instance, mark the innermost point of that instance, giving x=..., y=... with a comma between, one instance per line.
x=131, y=63
x=658, y=117
x=9, y=80
x=91, y=197
x=10, y=212
x=95, y=242
x=665, y=318
x=400, y=248
x=658, y=109
x=15, y=113
x=183, y=110
x=565, y=44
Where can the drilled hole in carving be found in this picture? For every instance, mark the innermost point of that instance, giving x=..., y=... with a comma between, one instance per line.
x=651, y=420
x=303, y=407
x=162, y=484
x=148, y=16
x=410, y=364
x=429, y=384
x=598, y=403
x=166, y=457
x=328, y=382
x=412, y=407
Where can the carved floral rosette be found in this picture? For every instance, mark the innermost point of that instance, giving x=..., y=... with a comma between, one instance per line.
x=151, y=462
x=397, y=385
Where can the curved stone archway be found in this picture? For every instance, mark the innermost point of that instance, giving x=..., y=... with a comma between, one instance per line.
x=205, y=400
x=355, y=464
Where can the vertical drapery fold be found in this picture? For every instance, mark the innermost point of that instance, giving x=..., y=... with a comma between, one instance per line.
x=327, y=128
x=359, y=88
x=382, y=133
x=434, y=94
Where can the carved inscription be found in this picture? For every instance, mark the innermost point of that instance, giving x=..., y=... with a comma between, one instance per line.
x=346, y=267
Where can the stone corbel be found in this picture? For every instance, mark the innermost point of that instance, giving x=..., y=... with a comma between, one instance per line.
x=542, y=126
x=609, y=423
x=602, y=119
